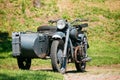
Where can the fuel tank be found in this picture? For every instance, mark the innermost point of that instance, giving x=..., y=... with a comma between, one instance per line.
x=74, y=34
x=33, y=45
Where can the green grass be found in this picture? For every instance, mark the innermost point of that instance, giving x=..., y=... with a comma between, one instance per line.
x=10, y=71
x=104, y=53
x=28, y=75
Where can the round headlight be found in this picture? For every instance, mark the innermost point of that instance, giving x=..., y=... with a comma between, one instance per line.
x=61, y=24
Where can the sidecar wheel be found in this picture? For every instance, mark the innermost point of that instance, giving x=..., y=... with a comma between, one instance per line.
x=57, y=61
x=80, y=66
x=24, y=63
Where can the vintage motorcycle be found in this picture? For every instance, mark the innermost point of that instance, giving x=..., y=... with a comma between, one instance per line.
x=64, y=44
x=69, y=45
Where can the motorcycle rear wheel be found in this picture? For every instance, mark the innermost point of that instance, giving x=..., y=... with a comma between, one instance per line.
x=58, y=62
x=80, y=66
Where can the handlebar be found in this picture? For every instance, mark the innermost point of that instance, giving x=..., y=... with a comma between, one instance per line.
x=76, y=20
x=79, y=20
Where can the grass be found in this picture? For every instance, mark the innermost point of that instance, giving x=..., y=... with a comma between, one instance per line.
x=104, y=53
x=9, y=69
x=28, y=75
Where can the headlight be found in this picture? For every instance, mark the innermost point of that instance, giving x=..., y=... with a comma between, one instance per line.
x=61, y=24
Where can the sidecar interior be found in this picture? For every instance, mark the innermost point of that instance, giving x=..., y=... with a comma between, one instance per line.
x=46, y=29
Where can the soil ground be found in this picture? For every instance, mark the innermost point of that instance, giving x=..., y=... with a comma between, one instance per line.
x=95, y=73
x=111, y=72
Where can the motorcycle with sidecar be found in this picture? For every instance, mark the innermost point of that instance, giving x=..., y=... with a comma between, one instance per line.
x=64, y=43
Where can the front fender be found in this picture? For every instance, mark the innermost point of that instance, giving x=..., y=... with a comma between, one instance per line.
x=58, y=35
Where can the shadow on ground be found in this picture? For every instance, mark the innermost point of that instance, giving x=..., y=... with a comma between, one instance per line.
x=50, y=70
x=5, y=42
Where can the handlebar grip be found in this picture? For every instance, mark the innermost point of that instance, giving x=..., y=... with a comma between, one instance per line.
x=84, y=25
x=82, y=20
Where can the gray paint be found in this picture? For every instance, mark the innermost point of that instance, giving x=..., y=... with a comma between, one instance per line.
x=32, y=45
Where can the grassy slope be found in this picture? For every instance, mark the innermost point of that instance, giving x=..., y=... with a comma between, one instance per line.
x=103, y=31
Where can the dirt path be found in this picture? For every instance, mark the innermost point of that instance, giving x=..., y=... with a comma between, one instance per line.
x=95, y=73
x=92, y=73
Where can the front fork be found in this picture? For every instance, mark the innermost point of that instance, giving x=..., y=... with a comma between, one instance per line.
x=66, y=43
x=64, y=57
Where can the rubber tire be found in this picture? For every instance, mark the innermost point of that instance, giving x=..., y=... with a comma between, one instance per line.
x=79, y=66
x=24, y=63
x=57, y=44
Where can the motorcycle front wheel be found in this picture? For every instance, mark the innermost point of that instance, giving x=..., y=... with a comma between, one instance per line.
x=58, y=62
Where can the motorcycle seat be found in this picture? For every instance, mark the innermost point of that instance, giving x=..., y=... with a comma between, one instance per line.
x=46, y=28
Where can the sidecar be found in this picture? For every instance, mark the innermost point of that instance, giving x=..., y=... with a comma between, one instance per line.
x=28, y=45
